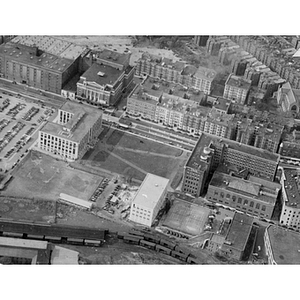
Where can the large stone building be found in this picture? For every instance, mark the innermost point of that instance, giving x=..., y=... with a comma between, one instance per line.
x=289, y=98
x=41, y=62
x=74, y=130
x=254, y=196
x=148, y=200
x=107, y=77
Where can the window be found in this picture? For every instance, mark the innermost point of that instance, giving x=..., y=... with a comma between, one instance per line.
x=227, y=196
x=239, y=200
x=263, y=208
x=222, y=195
x=251, y=204
x=245, y=202
x=233, y=198
x=257, y=206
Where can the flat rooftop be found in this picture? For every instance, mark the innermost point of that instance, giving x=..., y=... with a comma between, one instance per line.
x=239, y=231
x=205, y=73
x=198, y=158
x=285, y=245
x=222, y=104
x=239, y=82
x=21, y=243
x=187, y=218
x=150, y=191
x=101, y=74
x=292, y=187
x=263, y=191
x=48, y=61
x=87, y=115
x=51, y=45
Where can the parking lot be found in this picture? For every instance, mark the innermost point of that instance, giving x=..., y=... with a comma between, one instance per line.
x=19, y=121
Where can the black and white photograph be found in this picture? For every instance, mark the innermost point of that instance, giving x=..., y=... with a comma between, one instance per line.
x=175, y=151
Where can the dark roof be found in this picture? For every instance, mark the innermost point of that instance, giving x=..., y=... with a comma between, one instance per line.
x=110, y=76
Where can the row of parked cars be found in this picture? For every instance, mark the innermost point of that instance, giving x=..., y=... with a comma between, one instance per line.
x=10, y=135
x=3, y=124
x=4, y=105
x=15, y=110
x=31, y=113
x=100, y=189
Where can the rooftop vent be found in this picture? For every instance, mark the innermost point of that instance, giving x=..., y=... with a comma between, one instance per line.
x=101, y=74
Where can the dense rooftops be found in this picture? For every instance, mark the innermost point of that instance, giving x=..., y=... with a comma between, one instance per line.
x=82, y=120
x=112, y=56
x=101, y=75
x=51, y=45
x=205, y=73
x=150, y=191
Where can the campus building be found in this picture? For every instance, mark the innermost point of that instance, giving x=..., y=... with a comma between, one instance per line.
x=211, y=151
x=197, y=167
x=233, y=238
x=236, y=89
x=290, y=212
x=254, y=196
x=74, y=130
x=282, y=246
x=104, y=82
x=41, y=62
x=148, y=199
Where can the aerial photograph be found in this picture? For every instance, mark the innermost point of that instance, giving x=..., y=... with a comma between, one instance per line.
x=149, y=149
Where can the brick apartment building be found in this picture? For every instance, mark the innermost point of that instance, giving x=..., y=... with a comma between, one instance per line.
x=176, y=72
x=236, y=89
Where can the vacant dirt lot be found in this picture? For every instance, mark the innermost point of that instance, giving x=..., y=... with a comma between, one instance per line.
x=44, y=177
x=27, y=209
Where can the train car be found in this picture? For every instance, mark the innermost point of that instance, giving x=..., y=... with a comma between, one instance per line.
x=163, y=249
x=121, y=235
x=75, y=241
x=151, y=238
x=93, y=243
x=179, y=255
x=137, y=234
x=130, y=239
x=147, y=244
x=35, y=237
x=53, y=239
x=169, y=244
x=13, y=234
x=182, y=249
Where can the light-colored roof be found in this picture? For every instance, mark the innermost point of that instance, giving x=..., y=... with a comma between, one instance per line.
x=21, y=243
x=63, y=256
x=75, y=200
x=150, y=191
x=86, y=117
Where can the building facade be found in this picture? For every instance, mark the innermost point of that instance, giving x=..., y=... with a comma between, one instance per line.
x=103, y=84
x=148, y=200
x=236, y=89
x=72, y=132
x=254, y=196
